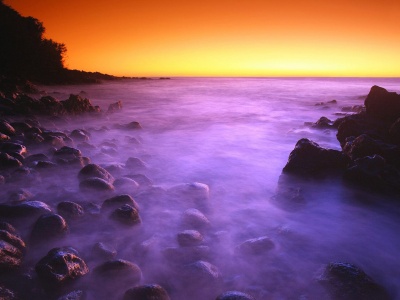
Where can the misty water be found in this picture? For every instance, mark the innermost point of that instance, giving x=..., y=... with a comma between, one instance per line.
x=235, y=135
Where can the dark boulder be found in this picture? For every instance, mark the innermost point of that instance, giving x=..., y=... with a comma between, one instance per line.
x=118, y=201
x=323, y=123
x=126, y=215
x=9, y=147
x=70, y=210
x=309, y=159
x=8, y=162
x=7, y=227
x=93, y=170
x=29, y=209
x=12, y=249
x=189, y=238
x=133, y=125
x=383, y=105
x=31, y=160
x=61, y=265
x=67, y=153
x=75, y=104
x=146, y=292
x=347, y=282
x=256, y=246
x=7, y=294
x=49, y=226
x=394, y=132
x=117, y=271
x=113, y=107
x=234, y=295
x=80, y=135
x=6, y=128
x=4, y=137
x=95, y=184
x=13, y=240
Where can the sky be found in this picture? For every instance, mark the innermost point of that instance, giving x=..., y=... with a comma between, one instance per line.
x=224, y=37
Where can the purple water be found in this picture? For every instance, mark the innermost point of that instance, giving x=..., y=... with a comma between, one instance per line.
x=235, y=135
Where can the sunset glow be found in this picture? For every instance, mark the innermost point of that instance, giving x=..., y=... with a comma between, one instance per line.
x=224, y=38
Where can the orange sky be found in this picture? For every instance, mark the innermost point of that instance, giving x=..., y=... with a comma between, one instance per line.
x=224, y=37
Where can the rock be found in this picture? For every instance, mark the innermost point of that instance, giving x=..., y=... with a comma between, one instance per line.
x=70, y=210
x=348, y=282
x=113, y=107
x=13, y=240
x=74, y=295
x=125, y=184
x=135, y=164
x=101, y=251
x=95, y=184
x=383, y=105
x=194, y=218
x=10, y=257
x=118, y=201
x=126, y=215
x=75, y=104
x=4, y=137
x=7, y=227
x=354, y=108
x=322, y=123
x=8, y=162
x=191, y=192
x=146, y=292
x=6, y=128
x=309, y=159
x=61, y=265
x=49, y=226
x=29, y=209
x=189, y=238
x=67, y=153
x=373, y=173
x=119, y=271
x=31, y=160
x=80, y=135
x=133, y=125
x=256, y=246
x=141, y=179
x=394, y=132
x=20, y=195
x=93, y=170
x=7, y=294
x=234, y=295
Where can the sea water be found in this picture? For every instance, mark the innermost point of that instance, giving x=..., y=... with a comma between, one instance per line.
x=235, y=135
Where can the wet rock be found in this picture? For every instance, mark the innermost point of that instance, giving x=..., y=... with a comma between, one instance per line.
x=61, y=265
x=93, y=170
x=348, y=282
x=101, y=251
x=234, y=295
x=70, y=210
x=13, y=240
x=75, y=104
x=194, y=218
x=67, y=153
x=322, y=123
x=146, y=292
x=31, y=160
x=4, y=137
x=373, y=173
x=45, y=165
x=74, y=295
x=119, y=271
x=255, y=246
x=10, y=257
x=80, y=135
x=354, y=108
x=197, y=192
x=152, y=195
x=118, y=201
x=113, y=107
x=125, y=184
x=141, y=179
x=20, y=127
x=189, y=238
x=7, y=227
x=6, y=128
x=382, y=104
x=308, y=158
x=394, y=132
x=49, y=226
x=8, y=162
x=135, y=164
x=133, y=125
x=30, y=209
x=126, y=215
x=361, y=146
x=95, y=184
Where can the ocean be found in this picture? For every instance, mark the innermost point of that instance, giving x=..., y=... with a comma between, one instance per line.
x=235, y=135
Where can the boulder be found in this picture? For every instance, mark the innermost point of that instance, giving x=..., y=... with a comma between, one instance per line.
x=194, y=218
x=12, y=249
x=29, y=209
x=256, y=246
x=67, y=153
x=61, y=265
x=133, y=125
x=80, y=135
x=118, y=201
x=118, y=271
x=234, y=295
x=191, y=193
x=125, y=184
x=93, y=170
x=323, y=123
x=135, y=164
x=309, y=159
x=126, y=215
x=348, y=282
x=113, y=107
x=103, y=252
x=9, y=147
x=6, y=128
x=146, y=292
x=95, y=184
x=75, y=104
x=49, y=226
x=383, y=105
x=70, y=210
x=189, y=238
x=8, y=162
x=7, y=294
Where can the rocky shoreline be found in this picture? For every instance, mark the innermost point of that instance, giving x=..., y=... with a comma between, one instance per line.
x=65, y=220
